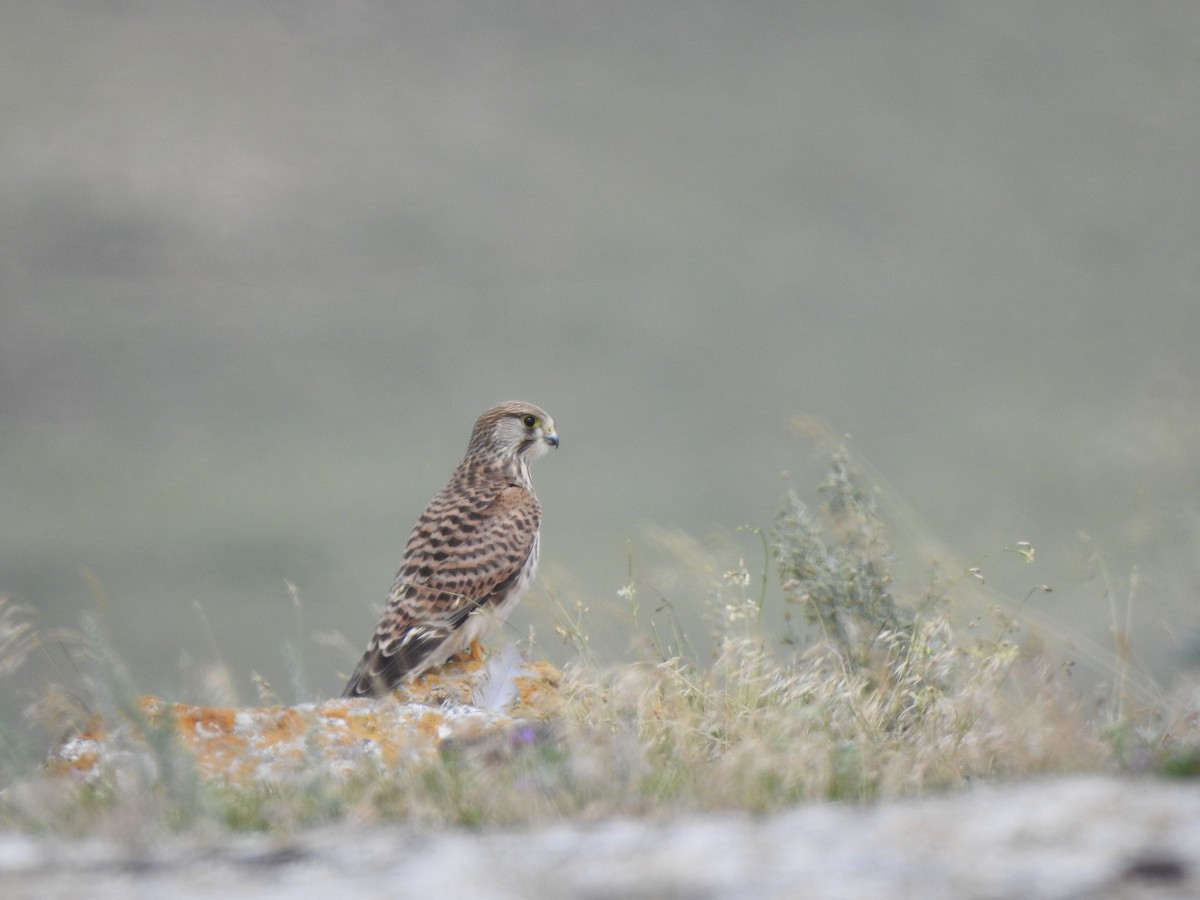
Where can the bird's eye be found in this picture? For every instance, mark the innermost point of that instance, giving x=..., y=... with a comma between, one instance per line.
x=529, y=421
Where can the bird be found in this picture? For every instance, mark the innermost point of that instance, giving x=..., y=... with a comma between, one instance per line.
x=470, y=556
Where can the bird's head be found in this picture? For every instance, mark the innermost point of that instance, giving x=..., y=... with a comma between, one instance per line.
x=514, y=429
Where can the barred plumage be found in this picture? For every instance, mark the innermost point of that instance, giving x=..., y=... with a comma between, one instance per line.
x=470, y=556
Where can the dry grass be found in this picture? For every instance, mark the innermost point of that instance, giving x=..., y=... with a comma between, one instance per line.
x=870, y=698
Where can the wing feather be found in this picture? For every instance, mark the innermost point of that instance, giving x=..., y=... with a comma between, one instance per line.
x=460, y=558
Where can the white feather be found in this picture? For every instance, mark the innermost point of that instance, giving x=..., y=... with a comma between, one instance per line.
x=497, y=687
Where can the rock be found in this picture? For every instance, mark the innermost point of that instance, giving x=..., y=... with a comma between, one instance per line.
x=270, y=743
x=1054, y=838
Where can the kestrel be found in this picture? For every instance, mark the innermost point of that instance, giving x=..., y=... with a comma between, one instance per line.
x=469, y=558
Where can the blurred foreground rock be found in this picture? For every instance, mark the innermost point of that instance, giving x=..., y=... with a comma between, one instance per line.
x=1065, y=838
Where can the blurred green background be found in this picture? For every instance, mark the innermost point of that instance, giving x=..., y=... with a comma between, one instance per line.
x=263, y=264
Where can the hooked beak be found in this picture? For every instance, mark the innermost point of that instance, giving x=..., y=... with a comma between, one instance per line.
x=550, y=438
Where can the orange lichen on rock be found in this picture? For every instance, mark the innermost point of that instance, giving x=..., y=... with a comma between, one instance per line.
x=537, y=690
x=195, y=722
x=342, y=735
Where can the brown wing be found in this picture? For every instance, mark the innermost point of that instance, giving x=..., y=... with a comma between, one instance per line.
x=460, y=557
